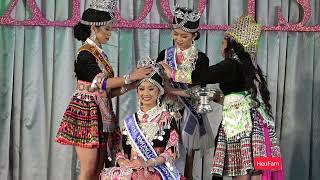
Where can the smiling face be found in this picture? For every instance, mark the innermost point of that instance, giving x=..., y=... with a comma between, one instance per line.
x=103, y=33
x=148, y=94
x=182, y=39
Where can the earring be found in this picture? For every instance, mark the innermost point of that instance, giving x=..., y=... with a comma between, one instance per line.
x=159, y=102
x=193, y=42
x=140, y=103
x=93, y=36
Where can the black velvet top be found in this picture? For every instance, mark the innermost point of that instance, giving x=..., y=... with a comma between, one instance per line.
x=202, y=63
x=86, y=67
x=228, y=73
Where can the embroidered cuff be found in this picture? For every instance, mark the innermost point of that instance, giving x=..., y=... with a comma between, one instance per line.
x=97, y=82
x=183, y=76
x=127, y=79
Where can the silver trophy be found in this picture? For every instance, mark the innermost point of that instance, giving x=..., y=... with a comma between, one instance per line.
x=204, y=96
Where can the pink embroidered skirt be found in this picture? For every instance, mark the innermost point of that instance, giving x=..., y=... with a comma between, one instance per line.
x=81, y=123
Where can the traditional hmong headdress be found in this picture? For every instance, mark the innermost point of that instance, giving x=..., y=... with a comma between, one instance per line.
x=186, y=19
x=246, y=32
x=156, y=76
x=104, y=9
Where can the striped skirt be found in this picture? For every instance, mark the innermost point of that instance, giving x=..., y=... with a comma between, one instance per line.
x=81, y=123
x=236, y=157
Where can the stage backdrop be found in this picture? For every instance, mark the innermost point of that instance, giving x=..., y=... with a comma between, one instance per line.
x=37, y=79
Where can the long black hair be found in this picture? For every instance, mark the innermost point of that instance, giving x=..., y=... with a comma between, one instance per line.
x=254, y=78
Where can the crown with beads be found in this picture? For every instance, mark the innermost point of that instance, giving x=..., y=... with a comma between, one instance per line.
x=186, y=19
x=192, y=16
x=246, y=32
x=155, y=76
x=147, y=61
x=103, y=5
x=106, y=6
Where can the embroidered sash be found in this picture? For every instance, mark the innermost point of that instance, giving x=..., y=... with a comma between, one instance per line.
x=101, y=58
x=193, y=117
x=103, y=99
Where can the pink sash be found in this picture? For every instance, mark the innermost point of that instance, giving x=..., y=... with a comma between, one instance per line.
x=267, y=174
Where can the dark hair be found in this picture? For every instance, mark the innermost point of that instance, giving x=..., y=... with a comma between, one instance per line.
x=251, y=73
x=82, y=31
x=197, y=35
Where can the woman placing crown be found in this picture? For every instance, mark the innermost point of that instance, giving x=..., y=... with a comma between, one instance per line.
x=183, y=58
x=89, y=123
x=150, y=137
x=247, y=130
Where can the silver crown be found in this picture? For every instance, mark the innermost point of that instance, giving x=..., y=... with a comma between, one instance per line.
x=146, y=61
x=103, y=5
x=157, y=68
x=192, y=16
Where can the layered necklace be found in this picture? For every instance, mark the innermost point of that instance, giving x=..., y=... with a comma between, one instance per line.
x=150, y=115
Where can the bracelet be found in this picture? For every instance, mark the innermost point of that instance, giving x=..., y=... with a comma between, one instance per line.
x=123, y=90
x=127, y=79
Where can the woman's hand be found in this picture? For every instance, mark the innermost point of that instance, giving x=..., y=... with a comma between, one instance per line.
x=151, y=163
x=167, y=69
x=124, y=162
x=138, y=164
x=140, y=73
x=167, y=86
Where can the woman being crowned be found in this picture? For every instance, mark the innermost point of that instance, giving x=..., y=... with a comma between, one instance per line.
x=149, y=136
